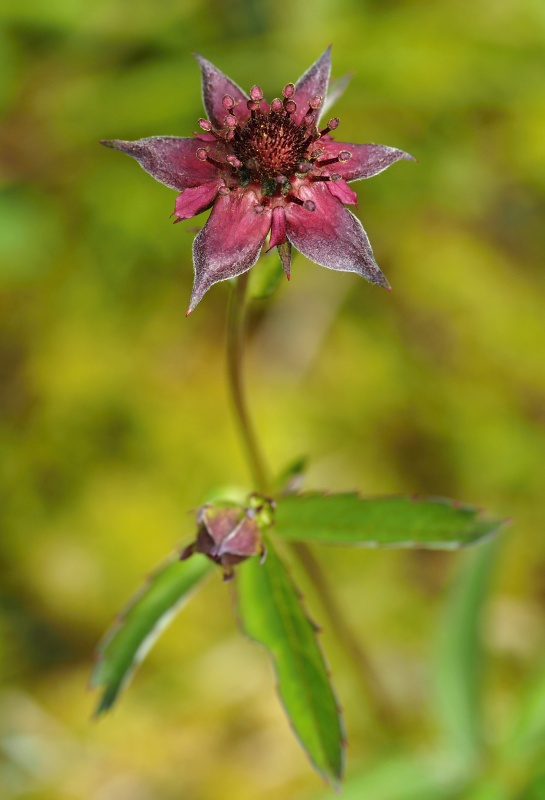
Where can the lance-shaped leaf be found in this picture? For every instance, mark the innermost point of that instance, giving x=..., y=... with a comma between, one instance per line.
x=460, y=658
x=127, y=643
x=349, y=519
x=272, y=614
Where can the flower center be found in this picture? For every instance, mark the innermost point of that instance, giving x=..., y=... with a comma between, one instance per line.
x=271, y=144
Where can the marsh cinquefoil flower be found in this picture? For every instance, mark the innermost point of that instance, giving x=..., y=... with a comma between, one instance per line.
x=266, y=169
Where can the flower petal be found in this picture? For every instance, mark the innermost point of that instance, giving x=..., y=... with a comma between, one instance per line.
x=278, y=227
x=170, y=160
x=215, y=85
x=367, y=159
x=342, y=191
x=331, y=235
x=193, y=201
x=313, y=82
x=229, y=243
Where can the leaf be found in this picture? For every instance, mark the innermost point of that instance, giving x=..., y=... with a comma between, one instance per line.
x=272, y=614
x=397, y=777
x=349, y=519
x=147, y=615
x=459, y=662
x=527, y=738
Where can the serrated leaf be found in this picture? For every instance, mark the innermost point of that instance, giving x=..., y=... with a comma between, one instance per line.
x=459, y=662
x=271, y=613
x=349, y=519
x=146, y=616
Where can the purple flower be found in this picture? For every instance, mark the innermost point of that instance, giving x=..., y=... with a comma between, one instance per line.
x=266, y=170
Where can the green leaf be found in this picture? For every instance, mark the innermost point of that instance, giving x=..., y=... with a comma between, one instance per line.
x=397, y=777
x=348, y=519
x=272, y=614
x=127, y=643
x=528, y=733
x=459, y=662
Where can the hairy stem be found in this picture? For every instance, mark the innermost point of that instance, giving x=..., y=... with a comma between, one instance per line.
x=235, y=357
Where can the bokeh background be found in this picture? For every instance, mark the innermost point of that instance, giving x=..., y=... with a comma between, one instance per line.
x=115, y=421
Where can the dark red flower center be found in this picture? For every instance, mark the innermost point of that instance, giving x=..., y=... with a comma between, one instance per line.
x=271, y=144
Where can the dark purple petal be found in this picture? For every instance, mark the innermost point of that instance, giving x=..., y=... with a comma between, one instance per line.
x=342, y=191
x=367, y=159
x=171, y=160
x=331, y=235
x=313, y=82
x=215, y=85
x=230, y=242
x=193, y=201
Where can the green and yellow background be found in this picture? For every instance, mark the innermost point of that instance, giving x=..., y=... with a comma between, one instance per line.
x=115, y=421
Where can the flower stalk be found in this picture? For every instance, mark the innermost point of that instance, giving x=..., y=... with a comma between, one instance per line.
x=235, y=376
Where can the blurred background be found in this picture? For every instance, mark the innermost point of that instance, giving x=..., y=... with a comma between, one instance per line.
x=115, y=422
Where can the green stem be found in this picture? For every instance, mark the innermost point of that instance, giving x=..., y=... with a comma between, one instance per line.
x=369, y=680
x=235, y=357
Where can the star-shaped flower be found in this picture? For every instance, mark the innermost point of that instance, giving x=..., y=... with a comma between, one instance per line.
x=266, y=170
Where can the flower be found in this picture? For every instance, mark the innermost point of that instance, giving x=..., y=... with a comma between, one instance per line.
x=266, y=169
x=229, y=534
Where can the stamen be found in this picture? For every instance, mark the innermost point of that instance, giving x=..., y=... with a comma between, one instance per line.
x=290, y=107
x=331, y=125
x=228, y=102
x=256, y=93
x=304, y=167
x=316, y=154
x=343, y=156
x=259, y=209
x=288, y=91
x=308, y=119
x=231, y=121
x=253, y=106
x=205, y=124
x=277, y=105
x=309, y=205
x=334, y=177
x=202, y=155
x=315, y=102
x=224, y=190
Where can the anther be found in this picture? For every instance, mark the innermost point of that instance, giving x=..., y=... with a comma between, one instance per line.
x=290, y=106
x=288, y=91
x=308, y=119
x=277, y=105
x=315, y=102
x=253, y=106
x=205, y=124
x=231, y=121
x=224, y=190
x=259, y=209
x=228, y=102
x=256, y=93
x=316, y=154
x=344, y=155
x=304, y=167
x=309, y=205
x=234, y=161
